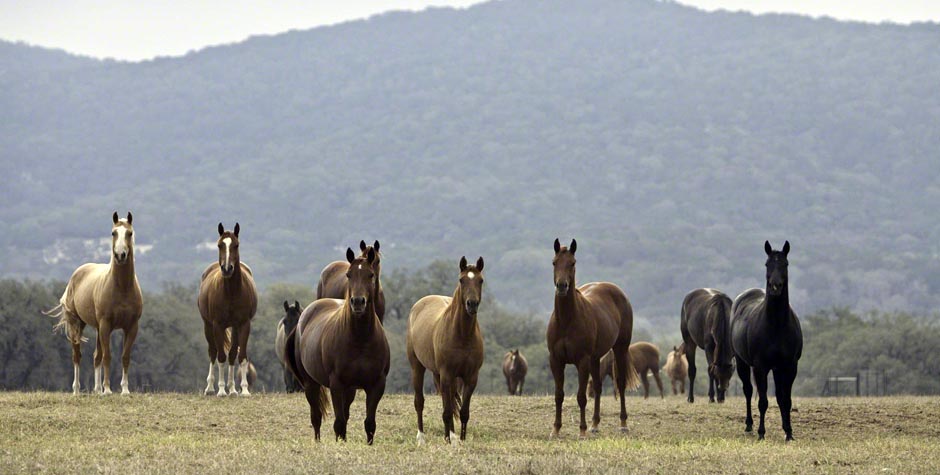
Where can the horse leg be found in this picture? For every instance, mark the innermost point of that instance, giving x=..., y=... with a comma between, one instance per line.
x=77, y=359
x=744, y=373
x=468, y=386
x=620, y=376
x=760, y=378
x=243, y=334
x=711, y=388
x=584, y=369
x=690, y=354
x=510, y=386
x=232, y=358
x=97, y=359
x=783, y=381
x=316, y=412
x=373, y=396
x=659, y=384
x=646, y=385
x=338, y=394
x=448, y=391
x=218, y=334
x=417, y=383
x=520, y=384
x=598, y=386
x=210, y=338
x=129, y=336
x=558, y=374
x=104, y=338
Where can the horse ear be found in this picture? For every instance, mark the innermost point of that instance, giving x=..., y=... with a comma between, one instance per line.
x=573, y=247
x=286, y=306
x=362, y=246
x=557, y=246
x=767, y=247
x=237, y=227
x=297, y=304
x=221, y=229
x=349, y=255
x=375, y=245
x=480, y=263
x=371, y=256
x=463, y=263
x=786, y=248
x=114, y=217
x=130, y=218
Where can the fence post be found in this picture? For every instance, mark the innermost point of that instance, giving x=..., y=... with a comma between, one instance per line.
x=858, y=378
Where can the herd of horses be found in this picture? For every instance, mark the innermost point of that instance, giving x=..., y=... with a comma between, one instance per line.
x=337, y=345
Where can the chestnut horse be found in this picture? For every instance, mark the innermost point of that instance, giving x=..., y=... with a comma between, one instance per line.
x=333, y=282
x=515, y=368
x=766, y=336
x=677, y=368
x=107, y=297
x=586, y=323
x=706, y=324
x=444, y=337
x=227, y=299
x=284, y=327
x=341, y=345
x=645, y=358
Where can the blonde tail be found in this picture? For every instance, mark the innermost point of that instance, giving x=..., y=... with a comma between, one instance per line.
x=68, y=324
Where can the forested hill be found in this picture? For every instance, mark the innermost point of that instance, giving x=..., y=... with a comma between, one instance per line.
x=671, y=142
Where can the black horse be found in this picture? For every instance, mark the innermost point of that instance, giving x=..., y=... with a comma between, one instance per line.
x=766, y=336
x=706, y=324
x=284, y=327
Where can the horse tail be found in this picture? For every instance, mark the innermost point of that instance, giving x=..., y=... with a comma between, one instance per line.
x=458, y=390
x=632, y=378
x=720, y=308
x=227, y=343
x=68, y=323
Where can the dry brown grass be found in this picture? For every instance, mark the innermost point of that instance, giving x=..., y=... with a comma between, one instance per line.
x=270, y=433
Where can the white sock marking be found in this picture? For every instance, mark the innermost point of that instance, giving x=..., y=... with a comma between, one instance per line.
x=243, y=368
x=210, y=380
x=76, y=383
x=221, y=366
x=421, y=440
x=124, y=383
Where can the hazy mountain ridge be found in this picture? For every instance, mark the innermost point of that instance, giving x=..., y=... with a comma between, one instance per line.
x=670, y=141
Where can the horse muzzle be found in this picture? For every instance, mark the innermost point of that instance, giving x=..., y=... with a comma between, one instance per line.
x=472, y=306
x=774, y=289
x=227, y=271
x=120, y=257
x=358, y=305
x=562, y=288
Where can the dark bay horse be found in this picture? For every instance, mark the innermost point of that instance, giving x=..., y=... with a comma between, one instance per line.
x=586, y=323
x=227, y=300
x=284, y=327
x=107, y=297
x=766, y=336
x=515, y=368
x=341, y=345
x=706, y=324
x=444, y=337
x=645, y=359
x=333, y=282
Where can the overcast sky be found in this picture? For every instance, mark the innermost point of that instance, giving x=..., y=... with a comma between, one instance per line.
x=142, y=29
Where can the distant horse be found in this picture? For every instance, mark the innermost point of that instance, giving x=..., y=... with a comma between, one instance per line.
x=107, y=297
x=332, y=284
x=284, y=327
x=444, y=337
x=706, y=315
x=677, y=368
x=227, y=299
x=766, y=336
x=515, y=368
x=645, y=358
x=587, y=322
x=341, y=345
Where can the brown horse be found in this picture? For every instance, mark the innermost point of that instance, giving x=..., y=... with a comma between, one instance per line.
x=645, y=358
x=333, y=282
x=227, y=299
x=107, y=297
x=284, y=327
x=677, y=368
x=515, y=368
x=706, y=324
x=341, y=345
x=444, y=337
x=586, y=323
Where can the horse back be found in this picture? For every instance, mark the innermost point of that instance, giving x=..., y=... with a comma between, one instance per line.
x=612, y=312
x=644, y=356
x=332, y=284
x=422, y=323
x=280, y=341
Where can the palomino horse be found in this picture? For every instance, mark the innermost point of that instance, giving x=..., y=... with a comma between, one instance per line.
x=341, y=345
x=333, y=282
x=586, y=323
x=515, y=368
x=107, y=297
x=284, y=327
x=444, y=337
x=645, y=358
x=227, y=299
x=706, y=315
x=677, y=368
x=766, y=336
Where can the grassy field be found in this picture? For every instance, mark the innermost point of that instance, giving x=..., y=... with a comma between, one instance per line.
x=270, y=433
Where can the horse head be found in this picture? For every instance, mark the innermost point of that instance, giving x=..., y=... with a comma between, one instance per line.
x=776, y=268
x=470, y=287
x=122, y=238
x=228, y=250
x=564, y=263
x=292, y=315
x=362, y=278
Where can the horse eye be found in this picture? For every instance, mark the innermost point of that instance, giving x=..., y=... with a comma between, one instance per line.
x=114, y=233
x=130, y=234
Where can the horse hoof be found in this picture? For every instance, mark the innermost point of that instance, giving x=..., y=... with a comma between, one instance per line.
x=623, y=429
x=760, y=436
x=107, y=392
x=790, y=438
x=594, y=430
x=232, y=392
x=453, y=439
x=421, y=439
x=554, y=434
x=125, y=392
x=748, y=429
x=245, y=393
x=221, y=393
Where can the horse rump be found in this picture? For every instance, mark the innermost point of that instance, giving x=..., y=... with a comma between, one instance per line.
x=68, y=324
x=296, y=368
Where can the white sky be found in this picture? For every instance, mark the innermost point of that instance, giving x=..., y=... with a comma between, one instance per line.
x=142, y=29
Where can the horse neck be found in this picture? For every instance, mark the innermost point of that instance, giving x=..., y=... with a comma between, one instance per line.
x=123, y=275
x=462, y=324
x=778, y=306
x=233, y=284
x=362, y=327
x=566, y=308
